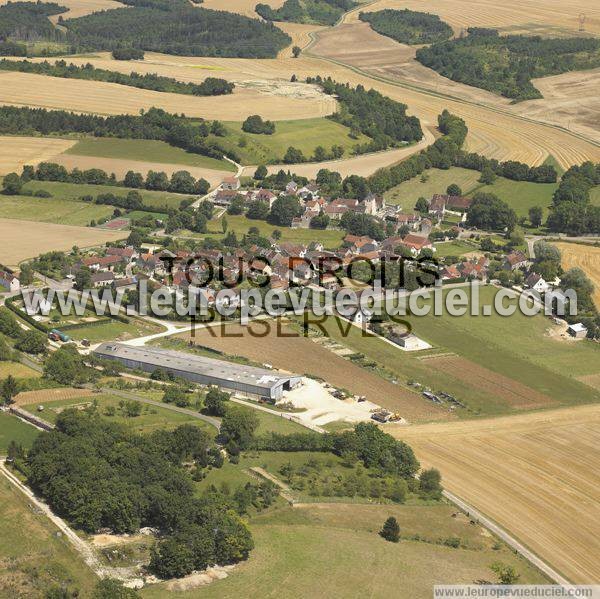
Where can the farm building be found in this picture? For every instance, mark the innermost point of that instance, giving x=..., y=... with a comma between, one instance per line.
x=248, y=380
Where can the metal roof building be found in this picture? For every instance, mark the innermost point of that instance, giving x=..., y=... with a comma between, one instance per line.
x=199, y=369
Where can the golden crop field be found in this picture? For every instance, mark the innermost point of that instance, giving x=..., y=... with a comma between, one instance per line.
x=543, y=17
x=241, y=7
x=273, y=101
x=587, y=258
x=18, y=151
x=120, y=167
x=534, y=474
x=21, y=239
x=44, y=395
x=80, y=8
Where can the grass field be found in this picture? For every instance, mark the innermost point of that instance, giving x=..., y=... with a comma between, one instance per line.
x=22, y=239
x=52, y=210
x=520, y=195
x=13, y=429
x=33, y=558
x=151, y=418
x=240, y=225
x=114, y=330
x=494, y=364
x=406, y=194
x=585, y=257
x=454, y=248
x=146, y=150
x=305, y=135
x=73, y=191
x=17, y=370
x=328, y=550
x=534, y=474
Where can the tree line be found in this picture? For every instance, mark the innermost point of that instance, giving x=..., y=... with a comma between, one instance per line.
x=211, y=86
x=408, y=26
x=506, y=64
x=572, y=211
x=28, y=21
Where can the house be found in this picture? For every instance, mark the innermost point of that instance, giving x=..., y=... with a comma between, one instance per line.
x=578, y=330
x=410, y=220
x=474, y=269
x=416, y=243
x=265, y=195
x=9, y=281
x=515, y=261
x=291, y=189
x=408, y=341
x=224, y=197
x=102, y=279
x=101, y=263
x=231, y=183
x=127, y=254
x=450, y=272
x=362, y=316
x=537, y=283
x=458, y=203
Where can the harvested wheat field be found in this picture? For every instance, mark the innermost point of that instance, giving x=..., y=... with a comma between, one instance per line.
x=535, y=474
x=80, y=8
x=22, y=239
x=298, y=354
x=120, y=167
x=495, y=128
x=517, y=395
x=18, y=151
x=44, y=395
x=586, y=257
x=301, y=35
x=241, y=7
x=293, y=101
x=540, y=17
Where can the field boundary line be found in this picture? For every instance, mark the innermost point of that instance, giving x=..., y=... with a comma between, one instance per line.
x=507, y=538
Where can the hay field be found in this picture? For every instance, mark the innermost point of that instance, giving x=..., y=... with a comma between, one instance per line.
x=22, y=239
x=541, y=17
x=27, y=89
x=496, y=129
x=44, y=395
x=493, y=131
x=296, y=353
x=241, y=7
x=18, y=151
x=536, y=475
x=120, y=167
x=585, y=257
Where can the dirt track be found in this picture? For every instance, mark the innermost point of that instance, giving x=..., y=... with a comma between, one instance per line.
x=534, y=474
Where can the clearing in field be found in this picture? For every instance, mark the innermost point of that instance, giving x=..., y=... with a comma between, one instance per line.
x=22, y=239
x=18, y=151
x=333, y=549
x=587, y=258
x=144, y=150
x=298, y=354
x=33, y=558
x=533, y=474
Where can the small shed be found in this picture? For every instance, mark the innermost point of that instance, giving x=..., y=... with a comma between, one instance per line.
x=578, y=330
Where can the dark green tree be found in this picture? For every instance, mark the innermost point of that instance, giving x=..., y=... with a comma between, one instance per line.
x=391, y=530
